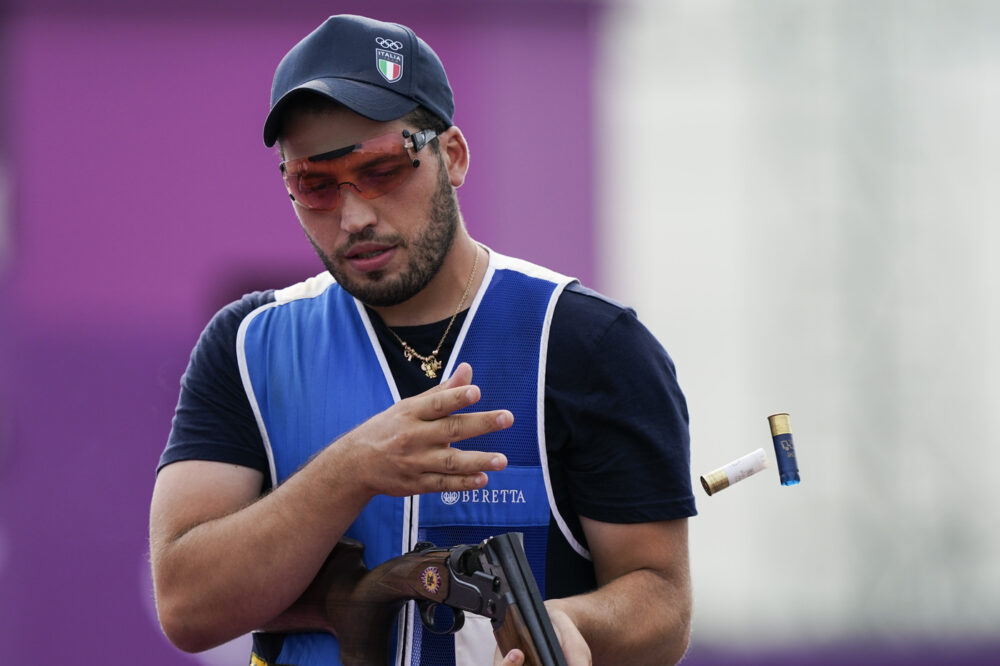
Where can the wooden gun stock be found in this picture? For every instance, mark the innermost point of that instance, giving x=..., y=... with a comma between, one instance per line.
x=359, y=606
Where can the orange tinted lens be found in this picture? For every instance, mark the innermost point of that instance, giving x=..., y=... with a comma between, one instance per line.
x=372, y=168
x=313, y=189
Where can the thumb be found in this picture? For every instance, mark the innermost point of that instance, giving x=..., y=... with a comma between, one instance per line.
x=514, y=658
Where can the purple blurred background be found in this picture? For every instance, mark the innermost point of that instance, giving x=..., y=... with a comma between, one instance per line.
x=141, y=199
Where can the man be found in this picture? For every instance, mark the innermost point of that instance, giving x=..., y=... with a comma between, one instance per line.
x=346, y=405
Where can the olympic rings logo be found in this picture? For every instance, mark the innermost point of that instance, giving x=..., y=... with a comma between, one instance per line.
x=388, y=43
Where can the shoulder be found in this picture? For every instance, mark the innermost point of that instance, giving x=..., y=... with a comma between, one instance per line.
x=580, y=302
x=224, y=326
x=243, y=306
x=215, y=350
x=309, y=288
x=227, y=321
x=616, y=417
x=213, y=419
x=587, y=321
x=579, y=309
x=601, y=353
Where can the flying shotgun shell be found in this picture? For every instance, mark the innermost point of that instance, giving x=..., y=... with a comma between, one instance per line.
x=733, y=472
x=784, y=449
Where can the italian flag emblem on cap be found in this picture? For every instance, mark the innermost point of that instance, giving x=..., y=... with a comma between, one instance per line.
x=390, y=65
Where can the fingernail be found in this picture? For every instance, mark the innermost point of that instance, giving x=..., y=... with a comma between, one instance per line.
x=470, y=393
x=504, y=419
x=497, y=462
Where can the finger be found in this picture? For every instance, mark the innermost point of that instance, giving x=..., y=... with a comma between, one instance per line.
x=456, y=461
x=577, y=654
x=461, y=470
x=513, y=658
x=456, y=427
x=574, y=646
x=444, y=483
x=437, y=403
x=462, y=375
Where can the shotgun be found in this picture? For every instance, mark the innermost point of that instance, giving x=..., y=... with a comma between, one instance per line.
x=359, y=606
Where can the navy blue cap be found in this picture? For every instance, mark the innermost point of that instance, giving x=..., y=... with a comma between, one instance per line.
x=379, y=70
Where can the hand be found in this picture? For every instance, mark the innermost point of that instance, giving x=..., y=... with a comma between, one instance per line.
x=574, y=647
x=406, y=450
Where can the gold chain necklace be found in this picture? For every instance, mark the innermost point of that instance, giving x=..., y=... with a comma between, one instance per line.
x=430, y=363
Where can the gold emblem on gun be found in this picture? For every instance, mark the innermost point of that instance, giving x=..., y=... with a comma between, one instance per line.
x=431, y=578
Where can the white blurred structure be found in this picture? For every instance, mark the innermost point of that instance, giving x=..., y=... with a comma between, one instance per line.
x=802, y=200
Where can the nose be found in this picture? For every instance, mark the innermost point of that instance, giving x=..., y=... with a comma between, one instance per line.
x=355, y=212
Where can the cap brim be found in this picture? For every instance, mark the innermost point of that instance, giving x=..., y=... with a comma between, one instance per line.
x=368, y=100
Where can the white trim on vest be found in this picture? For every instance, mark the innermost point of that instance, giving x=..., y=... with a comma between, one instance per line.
x=241, y=359
x=317, y=285
x=309, y=288
x=503, y=262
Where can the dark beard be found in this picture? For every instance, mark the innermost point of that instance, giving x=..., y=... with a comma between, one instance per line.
x=427, y=253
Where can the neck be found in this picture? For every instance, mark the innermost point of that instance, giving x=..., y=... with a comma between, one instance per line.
x=442, y=295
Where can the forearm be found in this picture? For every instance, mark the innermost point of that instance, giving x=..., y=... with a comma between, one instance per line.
x=230, y=574
x=639, y=618
x=225, y=562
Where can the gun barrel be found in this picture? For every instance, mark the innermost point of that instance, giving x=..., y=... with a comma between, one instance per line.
x=526, y=625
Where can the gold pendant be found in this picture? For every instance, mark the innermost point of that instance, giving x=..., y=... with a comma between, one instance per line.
x=431, y=367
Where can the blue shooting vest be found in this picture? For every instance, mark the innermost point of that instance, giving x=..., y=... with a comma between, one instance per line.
x=313, y=369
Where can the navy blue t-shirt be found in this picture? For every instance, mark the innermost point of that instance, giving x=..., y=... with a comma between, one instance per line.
x=616, y=421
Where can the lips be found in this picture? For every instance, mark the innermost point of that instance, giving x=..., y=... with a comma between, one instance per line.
x=367, y=257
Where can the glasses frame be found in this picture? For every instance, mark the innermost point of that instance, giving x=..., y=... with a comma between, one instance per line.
x=412, y=141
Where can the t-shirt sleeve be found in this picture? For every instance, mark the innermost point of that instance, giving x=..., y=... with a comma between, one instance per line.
x=213, y=419
x=624, y=445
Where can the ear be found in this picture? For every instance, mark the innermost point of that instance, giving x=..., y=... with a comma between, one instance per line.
x=455, y=153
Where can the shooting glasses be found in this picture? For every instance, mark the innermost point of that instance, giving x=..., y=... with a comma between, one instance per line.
x=373, y=168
